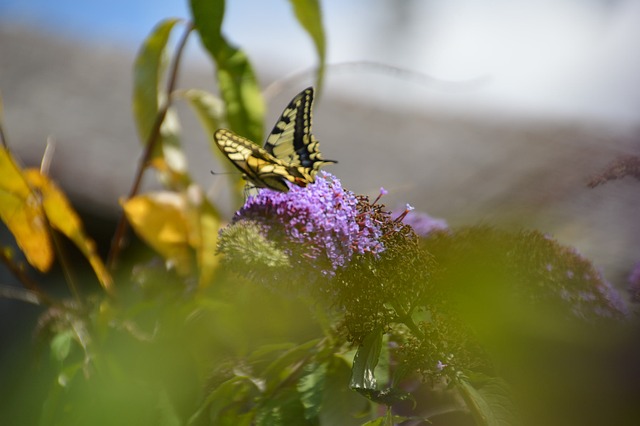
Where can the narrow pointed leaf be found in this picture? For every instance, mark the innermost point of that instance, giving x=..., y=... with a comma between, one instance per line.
x=148, y=73
x=365, y=361
x=237, y=81
x=148, y=77
x=309, y=16
x=491, y=404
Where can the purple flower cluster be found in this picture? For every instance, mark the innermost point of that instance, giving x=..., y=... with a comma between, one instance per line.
x=422, y=223
x=634, y=283
x=320, y=222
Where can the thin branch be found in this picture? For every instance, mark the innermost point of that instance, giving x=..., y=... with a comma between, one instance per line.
x=27, y=282
x=152, y=140
x=406, y=319
x=17, y=293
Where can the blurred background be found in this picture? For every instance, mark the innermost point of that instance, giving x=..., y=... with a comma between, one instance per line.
x=494, y=112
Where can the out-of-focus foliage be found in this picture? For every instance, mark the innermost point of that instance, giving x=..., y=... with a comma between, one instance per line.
x=312, y=307
x=31, y=206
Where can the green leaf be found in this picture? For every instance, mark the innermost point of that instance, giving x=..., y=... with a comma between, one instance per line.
x=210, y=111
x=148, y=75
x=491, y=404
x=237, y=82
x=341, y=405
x=166, y=413
x=217, y=401
x=365, y=361
x=309, y=16
x=311, y=389
x=283, y=409
x=208, y=108
x=61, y=345
x=148, y=71
x=280, y=369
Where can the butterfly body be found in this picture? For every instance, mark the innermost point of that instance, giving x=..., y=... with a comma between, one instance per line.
x=290, y=154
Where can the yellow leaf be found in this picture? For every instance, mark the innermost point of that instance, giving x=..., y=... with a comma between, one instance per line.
x=21, y=211
x=203, y=237
x=63, y=217
x=160, y=219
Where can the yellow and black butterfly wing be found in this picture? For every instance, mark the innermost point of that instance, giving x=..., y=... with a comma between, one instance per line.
x=256, y=164
x=291, y=140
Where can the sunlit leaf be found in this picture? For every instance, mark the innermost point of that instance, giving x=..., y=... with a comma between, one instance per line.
x=161, y=220
x=21, y=211
x=62, y=217
x=491, y=404
x=237, y=82
x=148, y=73
x=147, y=76
x=178, y=226
x=309, y=16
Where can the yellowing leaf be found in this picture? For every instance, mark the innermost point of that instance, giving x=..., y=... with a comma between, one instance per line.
x=181, y=227
x=203, y=237
x=21, y=211
x=160, y=219
x=63, y=217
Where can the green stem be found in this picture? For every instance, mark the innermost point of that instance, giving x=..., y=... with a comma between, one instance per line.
x=405, y=318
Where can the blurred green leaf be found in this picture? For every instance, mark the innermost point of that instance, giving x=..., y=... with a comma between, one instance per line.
x=280, y=369
x=236, y=79
x=282, y=409
x=166, y=413
x=208, y=108
x=309, y=16
x=341, y=405
x=215, y=407
x=61, y=345
x=311, y=389
x=491, y=404
x=148, y=71
x=148, y=75
x=365, y=361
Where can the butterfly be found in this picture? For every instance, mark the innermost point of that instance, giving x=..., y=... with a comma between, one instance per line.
x=290, y=154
